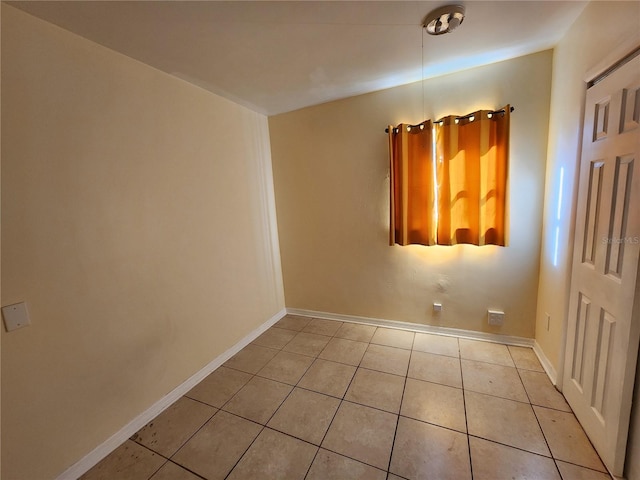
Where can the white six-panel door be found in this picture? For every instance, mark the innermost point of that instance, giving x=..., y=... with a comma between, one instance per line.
x=604, y=325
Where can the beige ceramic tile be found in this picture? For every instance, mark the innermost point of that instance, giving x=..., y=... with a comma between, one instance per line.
x=344, y=351
x=218, y=387
x=435, y=368
x=391, y=476
x=307, y=344
x=485, y=352
x=566, y=438
x=215, y=449
x=574, y=472
x=434, y=403
x=493, y=380
x=542, y=392
x=274, y=338
x=393, y=338
x=322, y=327
x=275, y=456
x=327, y=377
x=259, y=399
x=504, y=421
x=525, y=358
x=171, y=471
x=251, y=358
x=286, y=367
x=129, y=461
x=328, y=465
x=376, y=389
x=438, y=344
x=293, y=322
x=305, y=415
x=423, y=451
x=356, y=331
x=166, y=433
x=493, y=461
x=386, y=359
x=362, y=433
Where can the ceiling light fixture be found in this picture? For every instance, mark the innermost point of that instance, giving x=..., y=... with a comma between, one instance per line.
x=444, y=19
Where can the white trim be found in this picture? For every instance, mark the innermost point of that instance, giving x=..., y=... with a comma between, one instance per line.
x=414, y=327
x=546, y=363
x=113, y=442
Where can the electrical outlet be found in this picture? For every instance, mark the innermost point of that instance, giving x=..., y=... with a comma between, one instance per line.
x=437, y=307
x=496, y=318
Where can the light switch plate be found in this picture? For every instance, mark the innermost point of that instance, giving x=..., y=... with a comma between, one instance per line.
x=15, y=316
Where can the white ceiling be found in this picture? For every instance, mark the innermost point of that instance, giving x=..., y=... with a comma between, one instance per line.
x=277, y=56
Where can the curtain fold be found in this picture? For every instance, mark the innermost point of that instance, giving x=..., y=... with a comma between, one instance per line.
x=460, y=195
x=412, y=185
x=472, y=170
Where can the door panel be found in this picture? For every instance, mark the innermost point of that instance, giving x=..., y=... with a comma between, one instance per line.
x=603, y=328
x=619, y=214
x=593, y=211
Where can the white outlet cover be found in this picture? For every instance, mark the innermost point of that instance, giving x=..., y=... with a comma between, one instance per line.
x=15, y=316
x=496, y=317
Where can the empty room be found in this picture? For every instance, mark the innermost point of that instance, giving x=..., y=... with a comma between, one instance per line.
x=320, y=240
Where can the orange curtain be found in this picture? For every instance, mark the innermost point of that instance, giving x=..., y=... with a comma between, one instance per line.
x=472, y=167
x=412, y=185
x=460, y=199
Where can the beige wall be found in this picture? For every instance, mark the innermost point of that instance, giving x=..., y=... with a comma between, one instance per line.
x=587, y=42
x=136, y=224
x=603, y=28
x=332, y=179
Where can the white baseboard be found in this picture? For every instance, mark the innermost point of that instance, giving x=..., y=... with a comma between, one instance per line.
x=546, y=364
x=414, y=327
x=118, y=438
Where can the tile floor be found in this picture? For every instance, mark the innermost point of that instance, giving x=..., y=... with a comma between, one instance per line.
x=318, y=399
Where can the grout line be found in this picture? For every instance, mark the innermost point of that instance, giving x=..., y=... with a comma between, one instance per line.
x=466, y=417
x=146, y=448
x=160, y=467
x=506, y=398
x=246, y=450
x=184, y=468
x=520, y=449
x=584, y=433
x=354, y=459
x=269, y=419
x=372, y=408
x=556, y=460
x=201, y=427
x=190, y=436
x=336, y=412
x=433, y=424
x=253, y=375
x=534, y=414
x=342, y=400
x=395, y=432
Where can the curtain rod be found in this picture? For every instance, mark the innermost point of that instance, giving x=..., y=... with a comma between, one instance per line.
x=386, y=130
